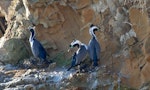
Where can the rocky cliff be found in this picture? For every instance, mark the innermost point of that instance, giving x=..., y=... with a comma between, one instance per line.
x=124, y=35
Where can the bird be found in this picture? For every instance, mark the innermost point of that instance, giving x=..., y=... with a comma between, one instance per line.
x=73, y=64
x=80, y=55
x=37, y=49
x=94, y=48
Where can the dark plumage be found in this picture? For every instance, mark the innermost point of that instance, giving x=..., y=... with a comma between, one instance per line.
x=36, y=47
x=79, y=55
x=73, y=63
x=94, y=46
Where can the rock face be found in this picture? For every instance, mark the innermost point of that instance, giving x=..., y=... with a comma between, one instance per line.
x=124, y=35
x=16, y=50
x=60, y=79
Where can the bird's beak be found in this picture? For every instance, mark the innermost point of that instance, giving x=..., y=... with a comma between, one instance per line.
x=70, y=46
x=68, y=50
x=33, y=27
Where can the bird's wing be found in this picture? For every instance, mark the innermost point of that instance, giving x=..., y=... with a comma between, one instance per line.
x=81, y=54
x=39, y=50
x=98, y=49
x=94, y=49
x=91, y=49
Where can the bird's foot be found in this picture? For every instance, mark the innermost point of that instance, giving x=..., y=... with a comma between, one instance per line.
x=84, y=68
x=78, y=71
x=94, y=68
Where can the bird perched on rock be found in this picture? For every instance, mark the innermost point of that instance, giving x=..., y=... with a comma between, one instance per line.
x=36, y=47
x=80, y=55
x=94, y=46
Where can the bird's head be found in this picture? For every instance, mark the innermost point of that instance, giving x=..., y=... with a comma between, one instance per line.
x=31, y=29
x=75, y=43
x=92, y=29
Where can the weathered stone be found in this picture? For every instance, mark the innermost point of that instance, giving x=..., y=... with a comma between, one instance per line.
x=41, y=87
x=131, y=41
x=145, y=73
x=146, y=45
x=123, y=38
x=83, y=3
x=140, y=22
x=99, y=6
x=13, y=46
x=88, y=15
x=51, y=66
x=112, y=6
x=29, y=87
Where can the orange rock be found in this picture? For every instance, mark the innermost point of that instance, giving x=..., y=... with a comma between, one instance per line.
x=139, y=21
x=146, y=46
x=145, y=73
x=148, y=58
x=83, y=3
x=87, y=15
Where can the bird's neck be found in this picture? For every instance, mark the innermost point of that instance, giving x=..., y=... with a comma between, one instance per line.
x=78, y=46
x=32, y=36
x=92, y=33
x=94, y=36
